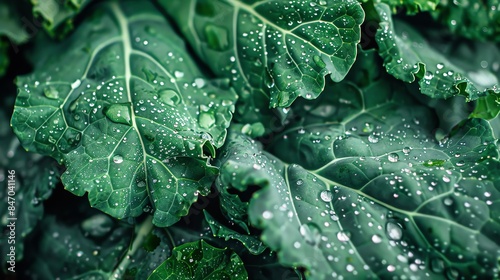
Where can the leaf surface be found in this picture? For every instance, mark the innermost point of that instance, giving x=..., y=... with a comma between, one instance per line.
x=363, y=189
x=57, y=15
x=273, y=51
x=128, y=113
x=200, y=260
x=442, y=69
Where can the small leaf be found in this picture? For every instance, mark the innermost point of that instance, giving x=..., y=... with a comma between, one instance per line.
x=200, y=260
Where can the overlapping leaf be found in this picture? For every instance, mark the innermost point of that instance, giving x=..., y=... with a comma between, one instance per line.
x=273, y=51
x=363, y=190
x=200, y=260
x=442, y=70
x=124, y=107
x=478, y=20
x=57, y=15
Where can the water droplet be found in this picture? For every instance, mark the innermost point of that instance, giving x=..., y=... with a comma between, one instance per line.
x=51, y=92
x=440, y=66
x=267, y=215
x=178, y=74
x=117, y=159
x=448, y=201
x=300, y=182
x=460, y=163
x=200, y=82
x=319, y=62
x=79, y=253
x=406, y=150
x=394, y=231
x=428, y=75
x=373, y=139
x=446, y=179
x=326, y=196
x=141, y=184
x=334, y=217
x=343, y=236
x=296, y=244
x=169, y=97
x=376, y=238
x=368, y=127
x=393, y=157
x=206, y=119
x=349, y=268
x=268, y=79
x=76, y=84
x=119, y=113
x=437, y=265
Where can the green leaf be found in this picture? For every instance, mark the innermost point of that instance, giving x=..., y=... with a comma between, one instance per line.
x=252, y=243
x=411, y=6
x=471, y=19
x=12, y=33
x=27, y=180
x=442, y=70
x=200, y=260
x=57, y=15
x=124, y=107
x=362, y=188
x=272, y=50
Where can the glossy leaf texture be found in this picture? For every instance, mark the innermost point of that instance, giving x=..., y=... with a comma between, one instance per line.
x=200, y=260
x=471, y=19
x=439, y=66
x=251, y=242
x=273, y=51
x=128, y=112
x=362, y=188
x=57, y=16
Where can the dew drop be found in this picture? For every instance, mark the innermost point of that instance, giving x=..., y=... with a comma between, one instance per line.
x=437, y=265
x=169, y=97
x=343, y=236
x=326, y=196
x=51, y=93
x=448, y=201
x=373, y=139
x=394, y=231
x=117, y=159
x=393, y=157
x=76, y=84
x=376, y=238
x=440, y=66
x=267, y=215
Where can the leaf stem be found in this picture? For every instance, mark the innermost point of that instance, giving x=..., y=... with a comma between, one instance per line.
x=141, y=232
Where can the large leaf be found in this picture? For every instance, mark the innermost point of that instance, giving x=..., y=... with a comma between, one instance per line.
x=200, y=260
x=363, y=190
x=123, y=106
x=272, y=50
x=57, y=15
x=442, y=70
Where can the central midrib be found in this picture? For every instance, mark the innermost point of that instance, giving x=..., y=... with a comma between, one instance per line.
x=127, y=52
